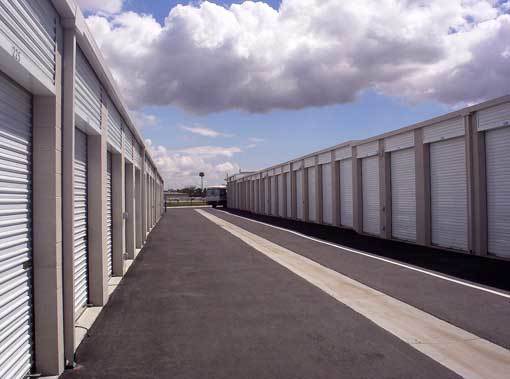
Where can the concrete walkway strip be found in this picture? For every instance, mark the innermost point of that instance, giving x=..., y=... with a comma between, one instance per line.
x=462, y=352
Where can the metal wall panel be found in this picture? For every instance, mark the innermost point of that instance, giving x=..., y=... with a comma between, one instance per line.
x=274, y=195
x=137, y=154
x=399, y=141
x=28, y=31
x=299, y=194
x=498, y=191
x=346, y=192
x=109, y=216
x=449, y=193
x=309, y=162
x=115, y=130
x=367, y=149
x=87, y=94
x=267, y=205
x=403, y=195
x=80, y=224
x=494, y=117
x=289, y=196
x=444, y=130
x=128, y=143
x=15, y=230
x=327, y=194
x=312, y=194
x=371, y=201
x=281, y=204
x=343, y=153
x=324, y=158
x=256, y=197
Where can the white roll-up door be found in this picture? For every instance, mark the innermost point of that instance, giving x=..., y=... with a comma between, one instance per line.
x=289, y=196
x=267, y=205
x=109, y=218
x=346, y=192
x=81, y=290
x=448, y=191
x=274, y=195
x=327, y=194
x=403, y=195
x=281, y=204
x=497, y=145
x=312, y=194
x=87, y=94
x=299, y=194
x=371, y=203
x=15, y=230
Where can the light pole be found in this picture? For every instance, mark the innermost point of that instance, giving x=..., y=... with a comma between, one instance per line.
x=202, y=182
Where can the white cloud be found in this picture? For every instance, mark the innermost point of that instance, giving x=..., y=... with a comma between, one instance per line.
x=206, y=132
x=249, y=56
x=180, y=167
x=143, y=120
x=101, y=6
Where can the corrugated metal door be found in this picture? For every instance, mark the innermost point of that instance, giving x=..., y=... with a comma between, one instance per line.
x=403, y=195
x=497, y=144
x=281, y=204
x=267, y=205
x=274, y=195
x=15, y=230
x=448, y=193
x=299, y=194
x=87, y=94
x=109, y=218
x=346, y=192
x=327, y=196
x=371, y=204
x=312, y=194
x=81, y=290
x=289, y=196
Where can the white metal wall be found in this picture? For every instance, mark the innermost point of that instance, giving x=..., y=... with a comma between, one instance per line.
x=15, y=230
x=497, y=144
x=370, y=189
x=312, y=194
x=299, y=194
x=289, y=196
x=109, y=216
x=345, y=168
x=448, y=193
x=267, y=204
x=327, y=194
x=80, y=223
x=281, y=203
x=403, y=194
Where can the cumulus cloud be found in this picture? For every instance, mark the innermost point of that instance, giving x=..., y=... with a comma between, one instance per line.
x=180, y=167
x=205, y=132
x=101, y=6
x=208, y=58
x=143, y=120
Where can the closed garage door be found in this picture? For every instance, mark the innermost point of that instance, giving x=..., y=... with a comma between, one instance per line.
x=281, y=188
x=448, y=193
x=15, y=231
x=289, y=196
x=346, y=192
x=312, y=194
x=80, y=224
x=327, y=199
x=498, y=191
x=267, y=194
x=274, y=195
x=109, y=218
x=370, y=185
x=403, y=195
x=299, y=194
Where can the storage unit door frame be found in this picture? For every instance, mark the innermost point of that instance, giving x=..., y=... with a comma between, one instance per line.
x=345, y=192
x=80, y=224
x=327, y=194
x=448, y=191
x=16, y=304
x=370, y=195
x=403, y=194
x=497, y=147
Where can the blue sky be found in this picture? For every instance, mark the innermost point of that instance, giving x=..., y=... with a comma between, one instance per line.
x=227, y=89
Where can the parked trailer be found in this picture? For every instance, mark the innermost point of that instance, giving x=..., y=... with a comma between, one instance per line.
x=444, y=182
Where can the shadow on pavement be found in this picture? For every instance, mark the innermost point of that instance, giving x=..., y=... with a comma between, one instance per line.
x=486, y=271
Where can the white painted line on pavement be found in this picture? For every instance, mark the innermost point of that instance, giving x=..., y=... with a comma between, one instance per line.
x=460, y=351
x=414, y=268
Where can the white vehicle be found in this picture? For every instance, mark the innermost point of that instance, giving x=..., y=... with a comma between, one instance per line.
x=216, y=196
